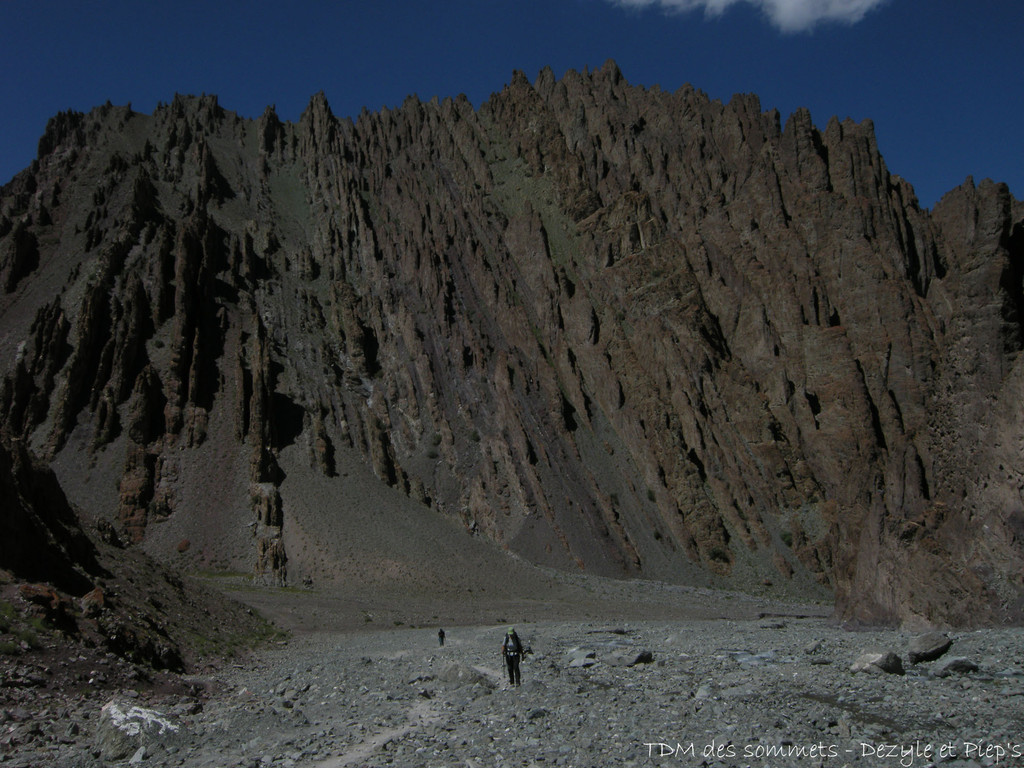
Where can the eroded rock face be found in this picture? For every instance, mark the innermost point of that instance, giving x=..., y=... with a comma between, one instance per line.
x=636, y=332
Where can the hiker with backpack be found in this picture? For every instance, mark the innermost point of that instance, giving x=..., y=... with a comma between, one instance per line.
x=512, y=650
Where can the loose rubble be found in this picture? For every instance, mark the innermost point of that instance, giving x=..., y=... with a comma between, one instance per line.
x=700, y=692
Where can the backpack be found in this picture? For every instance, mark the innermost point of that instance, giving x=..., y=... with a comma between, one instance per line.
x=512, y=644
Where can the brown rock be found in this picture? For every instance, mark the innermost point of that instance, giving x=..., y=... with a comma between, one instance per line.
x=92, y=603
x=642, y=333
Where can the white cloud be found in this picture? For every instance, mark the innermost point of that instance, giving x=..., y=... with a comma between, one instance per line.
x=787, y=15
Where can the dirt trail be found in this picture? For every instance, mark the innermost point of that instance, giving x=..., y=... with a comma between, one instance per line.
x=422, y=714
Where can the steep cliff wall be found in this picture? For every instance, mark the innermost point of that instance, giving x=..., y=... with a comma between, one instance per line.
x=613, y=328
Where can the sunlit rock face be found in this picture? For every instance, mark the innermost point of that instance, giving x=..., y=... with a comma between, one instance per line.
x=611, y=328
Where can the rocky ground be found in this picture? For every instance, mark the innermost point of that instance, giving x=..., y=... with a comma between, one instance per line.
x=673, y=676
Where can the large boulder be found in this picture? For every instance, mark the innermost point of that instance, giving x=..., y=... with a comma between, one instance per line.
x=928, y=647
x=954, y=665
x=629, y=657
x=123, y=729
x=875, y=662
x=458, y=675
x=577, y=658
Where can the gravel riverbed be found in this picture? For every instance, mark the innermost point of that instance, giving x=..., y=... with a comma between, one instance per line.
x=734, y=691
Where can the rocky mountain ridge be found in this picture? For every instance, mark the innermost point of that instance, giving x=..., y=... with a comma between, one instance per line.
x=610, y=328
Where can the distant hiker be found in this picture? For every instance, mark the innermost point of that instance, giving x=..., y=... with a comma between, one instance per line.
x=512, y=650
x=440, y=636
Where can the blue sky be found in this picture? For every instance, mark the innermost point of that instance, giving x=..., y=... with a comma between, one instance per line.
x=943, y=80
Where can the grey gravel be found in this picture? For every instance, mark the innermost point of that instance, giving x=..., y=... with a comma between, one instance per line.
x=708, y=693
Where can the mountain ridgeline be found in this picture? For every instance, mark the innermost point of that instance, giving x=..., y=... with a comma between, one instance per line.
x=611, y=328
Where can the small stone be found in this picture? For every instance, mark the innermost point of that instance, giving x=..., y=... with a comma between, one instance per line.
x=704, y=692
